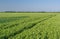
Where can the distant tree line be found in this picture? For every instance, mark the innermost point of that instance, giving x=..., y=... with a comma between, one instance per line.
x=28, y=12
x=10, y=11
x=24, y=12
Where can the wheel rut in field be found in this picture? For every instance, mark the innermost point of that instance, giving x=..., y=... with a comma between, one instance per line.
x=25, y=28
x=5, y=26
x=9, y=26
x=10, y=19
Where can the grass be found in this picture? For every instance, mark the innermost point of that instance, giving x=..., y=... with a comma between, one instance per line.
x=29, y=26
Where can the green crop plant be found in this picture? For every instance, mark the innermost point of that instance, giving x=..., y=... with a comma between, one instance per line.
x=29, y=26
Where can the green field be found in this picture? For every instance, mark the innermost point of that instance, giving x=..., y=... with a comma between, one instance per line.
x=29, y=26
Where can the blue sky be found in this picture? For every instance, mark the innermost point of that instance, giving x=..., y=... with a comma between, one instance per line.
x=29, y=5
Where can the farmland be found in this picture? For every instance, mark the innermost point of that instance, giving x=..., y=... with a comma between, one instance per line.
x=29, y=26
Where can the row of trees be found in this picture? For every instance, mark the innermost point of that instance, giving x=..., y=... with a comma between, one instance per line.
x=28, y=12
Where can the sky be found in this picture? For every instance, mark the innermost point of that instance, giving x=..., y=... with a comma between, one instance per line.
x=29, y=5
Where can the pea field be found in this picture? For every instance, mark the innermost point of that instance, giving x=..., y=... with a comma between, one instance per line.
x=29, y=26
